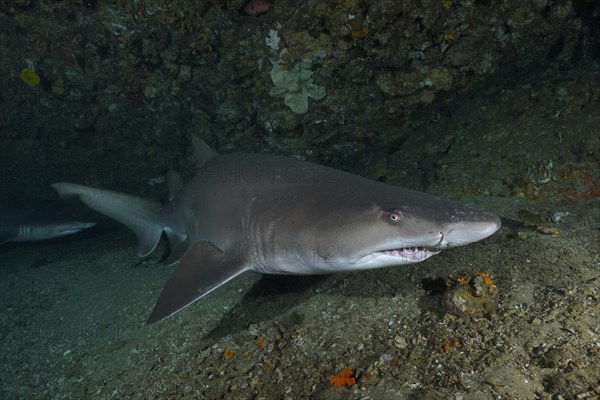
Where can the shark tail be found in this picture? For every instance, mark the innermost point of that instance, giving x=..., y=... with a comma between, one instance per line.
x=140, y=215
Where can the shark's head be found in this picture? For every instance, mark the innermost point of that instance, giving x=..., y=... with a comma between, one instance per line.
x=393, y=226
x=414, y=231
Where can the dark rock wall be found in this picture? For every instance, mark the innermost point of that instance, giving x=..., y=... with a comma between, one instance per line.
x=123, y=84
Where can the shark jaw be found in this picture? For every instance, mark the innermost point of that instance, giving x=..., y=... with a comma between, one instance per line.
x=401, y=256
x=453, y=235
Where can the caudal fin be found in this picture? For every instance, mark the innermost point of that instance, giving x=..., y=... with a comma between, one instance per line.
x=140, y=215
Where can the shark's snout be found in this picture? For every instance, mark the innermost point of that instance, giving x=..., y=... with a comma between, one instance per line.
x=462, y=233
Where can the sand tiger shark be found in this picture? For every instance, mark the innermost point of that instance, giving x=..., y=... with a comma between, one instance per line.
x=22, y=224
x=280, y=215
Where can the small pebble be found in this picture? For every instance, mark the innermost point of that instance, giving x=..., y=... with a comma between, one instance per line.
x=400, y=342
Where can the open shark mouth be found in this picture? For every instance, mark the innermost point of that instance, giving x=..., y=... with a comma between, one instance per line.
x=412, y=254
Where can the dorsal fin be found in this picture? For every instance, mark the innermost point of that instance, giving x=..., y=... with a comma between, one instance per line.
x=203, y=152
x=174, y=183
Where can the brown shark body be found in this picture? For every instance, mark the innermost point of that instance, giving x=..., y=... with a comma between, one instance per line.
x=281, y=215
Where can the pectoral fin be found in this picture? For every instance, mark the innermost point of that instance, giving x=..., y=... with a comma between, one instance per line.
x=202, y=269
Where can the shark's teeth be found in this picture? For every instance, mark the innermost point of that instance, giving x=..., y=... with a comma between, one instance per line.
x=412, y=253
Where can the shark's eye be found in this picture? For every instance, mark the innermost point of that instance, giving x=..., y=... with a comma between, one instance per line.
x=395, y=217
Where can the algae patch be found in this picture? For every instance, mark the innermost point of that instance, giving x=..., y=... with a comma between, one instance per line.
x=295, y=85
